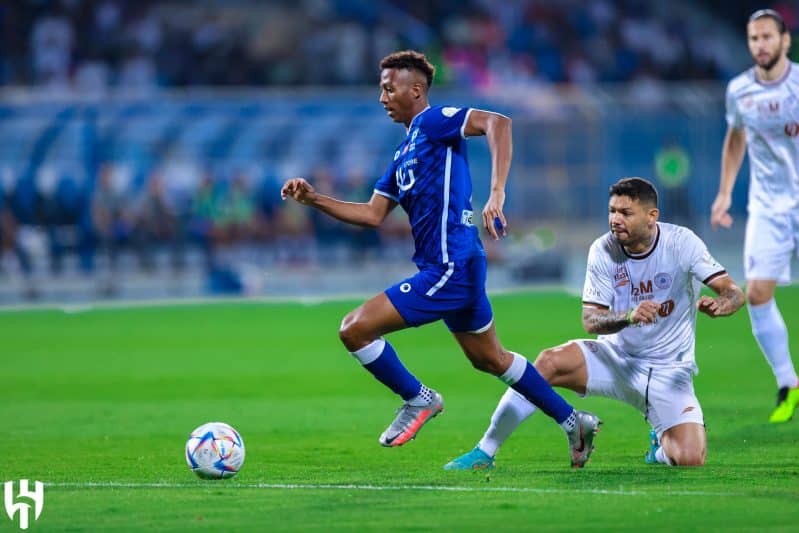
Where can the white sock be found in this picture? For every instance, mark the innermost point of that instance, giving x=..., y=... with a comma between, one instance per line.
x=569, y=424
x=661, y=457
x=515, y=371
x=769, y=329
x=512, y=410
x=424, y=397
x=370, y=352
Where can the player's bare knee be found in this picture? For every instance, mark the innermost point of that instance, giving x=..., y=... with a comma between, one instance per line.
x=351, y=334
x=688, y=457
x=547, y=364
x=757, y=295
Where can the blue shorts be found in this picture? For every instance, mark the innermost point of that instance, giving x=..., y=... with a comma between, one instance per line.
x=455, y=293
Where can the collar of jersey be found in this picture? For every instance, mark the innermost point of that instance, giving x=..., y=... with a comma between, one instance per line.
x=648, y=252
x=772, y=83
x=415, y=117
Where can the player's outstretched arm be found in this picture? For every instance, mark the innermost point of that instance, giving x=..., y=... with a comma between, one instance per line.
x=370, y=214
x=730, y=298
x=602, y=321
x=497, y=129
x=732, y=155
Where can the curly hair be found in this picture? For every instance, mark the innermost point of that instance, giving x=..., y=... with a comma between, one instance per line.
x=410, y=60
x=637, y=189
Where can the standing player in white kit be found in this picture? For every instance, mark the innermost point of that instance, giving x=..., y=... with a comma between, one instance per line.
x=641, y=296
x=763, y=119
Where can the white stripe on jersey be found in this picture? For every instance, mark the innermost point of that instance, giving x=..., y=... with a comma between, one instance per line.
x=445, y=210
x=465, y=120
x=443, y=280
x=389, y=196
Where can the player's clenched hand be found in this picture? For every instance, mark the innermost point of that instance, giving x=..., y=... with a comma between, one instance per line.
x=718, y=212
x=645, y=313
x=493, y=217
x=709, y=306
x=298, y=189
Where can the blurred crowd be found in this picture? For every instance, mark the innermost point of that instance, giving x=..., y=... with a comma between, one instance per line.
x=100, y=214
x=93, y=45
x=220, y=215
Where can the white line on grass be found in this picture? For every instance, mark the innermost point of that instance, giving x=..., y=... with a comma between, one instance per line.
x=431, y=488
x=83, y=307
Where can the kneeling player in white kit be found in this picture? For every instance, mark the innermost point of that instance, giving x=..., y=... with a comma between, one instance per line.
x=641, y=296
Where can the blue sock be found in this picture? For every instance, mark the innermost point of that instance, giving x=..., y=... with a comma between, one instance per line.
x=381, y=360
x=535, y=388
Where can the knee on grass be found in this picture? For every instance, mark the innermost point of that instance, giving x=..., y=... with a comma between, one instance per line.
x=680, y=456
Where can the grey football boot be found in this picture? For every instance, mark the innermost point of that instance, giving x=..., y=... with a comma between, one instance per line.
x=410, y=419
x=581, y=438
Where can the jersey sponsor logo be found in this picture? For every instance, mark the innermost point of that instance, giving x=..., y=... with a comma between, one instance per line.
x=666, y=308
x=767, y=108
x=621, y=277
x=792, y=129
x=662, y=280
x=409, y=148
x=405, y=179
x=643, y=288
x=413, y=135
x=449, y=111
x=396, y=155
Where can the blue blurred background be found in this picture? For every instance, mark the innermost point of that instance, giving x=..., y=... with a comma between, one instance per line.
x=143, y=144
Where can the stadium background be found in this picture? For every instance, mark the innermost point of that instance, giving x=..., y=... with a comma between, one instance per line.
x=142, y=145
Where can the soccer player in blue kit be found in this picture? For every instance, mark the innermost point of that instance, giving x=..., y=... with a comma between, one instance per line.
x=429, y=177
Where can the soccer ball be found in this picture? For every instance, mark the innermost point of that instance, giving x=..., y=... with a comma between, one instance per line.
x=215, y=451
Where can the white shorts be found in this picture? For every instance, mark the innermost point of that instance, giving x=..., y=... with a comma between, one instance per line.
x=665, y=395
x=770, y=242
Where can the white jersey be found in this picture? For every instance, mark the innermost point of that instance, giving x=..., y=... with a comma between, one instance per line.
x=769, y=113
x=670, y=274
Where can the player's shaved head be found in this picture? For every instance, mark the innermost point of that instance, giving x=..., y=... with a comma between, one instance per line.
x=636, y=189
x=412, y=61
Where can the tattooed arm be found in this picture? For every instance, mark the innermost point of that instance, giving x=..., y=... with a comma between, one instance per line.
x=730, y=298
x=602, y=321
x=599, y=320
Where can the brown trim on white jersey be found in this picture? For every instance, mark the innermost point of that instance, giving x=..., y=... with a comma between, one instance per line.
x=715, y=276
x=648, y=252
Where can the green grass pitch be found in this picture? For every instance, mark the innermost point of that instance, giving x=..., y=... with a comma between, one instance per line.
x=98, y=404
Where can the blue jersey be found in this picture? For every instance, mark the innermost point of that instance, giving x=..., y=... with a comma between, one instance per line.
x=430, y=179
